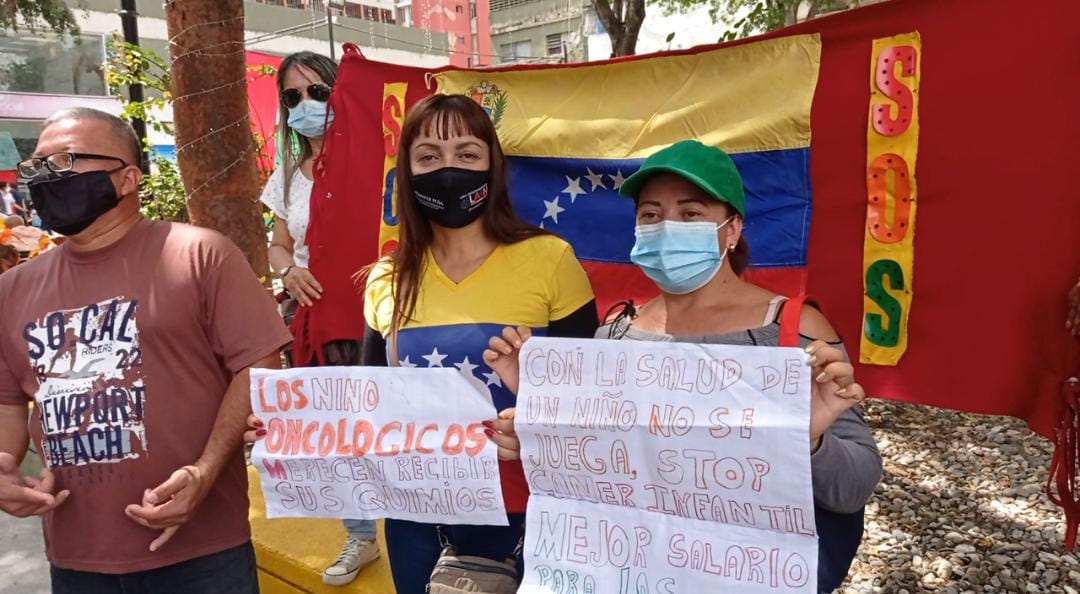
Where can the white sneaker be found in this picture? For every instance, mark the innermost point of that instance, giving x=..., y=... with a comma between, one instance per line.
x=355, y=555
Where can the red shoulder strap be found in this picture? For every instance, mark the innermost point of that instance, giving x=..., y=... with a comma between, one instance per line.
x=789, y=321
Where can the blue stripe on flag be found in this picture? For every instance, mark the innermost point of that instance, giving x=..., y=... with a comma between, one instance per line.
x=459, y=346
x=578, y=199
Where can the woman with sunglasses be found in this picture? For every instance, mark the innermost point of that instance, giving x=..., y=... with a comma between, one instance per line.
x=304, y=81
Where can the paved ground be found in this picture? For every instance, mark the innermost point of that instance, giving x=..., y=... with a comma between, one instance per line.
x=22, y=552
x=22, y=557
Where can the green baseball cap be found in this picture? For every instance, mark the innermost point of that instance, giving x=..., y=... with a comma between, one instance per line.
x=707, y=167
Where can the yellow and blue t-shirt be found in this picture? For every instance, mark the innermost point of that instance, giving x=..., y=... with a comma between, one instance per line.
x=537, y=282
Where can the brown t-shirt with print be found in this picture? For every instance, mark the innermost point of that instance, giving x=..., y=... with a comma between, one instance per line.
x=127, y=352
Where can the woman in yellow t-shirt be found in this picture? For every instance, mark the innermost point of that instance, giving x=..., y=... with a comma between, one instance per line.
x=465, y=267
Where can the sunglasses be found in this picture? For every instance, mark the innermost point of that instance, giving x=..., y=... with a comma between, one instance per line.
x=292, y=97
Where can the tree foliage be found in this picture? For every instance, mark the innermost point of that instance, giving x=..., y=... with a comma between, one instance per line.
x=162, y=191
x=130, y=64
x=751, y=17
x=38, y=14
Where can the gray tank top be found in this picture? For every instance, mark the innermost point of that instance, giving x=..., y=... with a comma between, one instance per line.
x=766, y=335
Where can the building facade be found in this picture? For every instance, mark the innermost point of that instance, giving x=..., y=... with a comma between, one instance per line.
x=464, y=23
x=41, y=72
x=379, y=11
x=539, y=30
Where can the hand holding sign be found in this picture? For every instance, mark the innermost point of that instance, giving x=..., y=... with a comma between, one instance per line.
x=256, y=429
x=502, y=432
x=27, y=496
x=502, y=355
x=377, y=442
x=668, y=467
x=834, y=389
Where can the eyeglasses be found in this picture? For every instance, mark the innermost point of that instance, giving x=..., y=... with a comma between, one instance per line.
x=58, y=163
x=292, y=97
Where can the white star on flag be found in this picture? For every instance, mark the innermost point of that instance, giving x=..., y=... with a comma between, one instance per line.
x=617, y=180
x=492, y=379
x=465, y=367
x=406, y=363
x=435, y=359
x=596, y=179
x=552, y=210
x=573, y=187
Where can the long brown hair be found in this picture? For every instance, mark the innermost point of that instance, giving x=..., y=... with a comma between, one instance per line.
x=444, y=116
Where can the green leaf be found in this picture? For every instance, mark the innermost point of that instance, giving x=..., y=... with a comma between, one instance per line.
x=497, y=111
x=162, y=192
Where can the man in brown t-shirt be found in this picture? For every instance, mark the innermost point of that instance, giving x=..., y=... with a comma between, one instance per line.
x=133, y=340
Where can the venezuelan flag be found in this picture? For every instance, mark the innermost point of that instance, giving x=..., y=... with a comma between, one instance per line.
x=574, y=134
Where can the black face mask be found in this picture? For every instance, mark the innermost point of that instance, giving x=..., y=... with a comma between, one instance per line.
x=451, y=197
x=70, y=202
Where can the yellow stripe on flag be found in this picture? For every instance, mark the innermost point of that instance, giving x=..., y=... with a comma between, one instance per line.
x=751, y=97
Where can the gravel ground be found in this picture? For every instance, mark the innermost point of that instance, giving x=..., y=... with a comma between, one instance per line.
x=961, y=508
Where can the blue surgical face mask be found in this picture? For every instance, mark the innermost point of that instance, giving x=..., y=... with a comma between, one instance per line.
x=679, y=257
x=309, y=118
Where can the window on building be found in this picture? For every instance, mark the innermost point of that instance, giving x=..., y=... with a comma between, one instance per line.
x=354, y=10
x=504, y=4
x=295, y=3
x=472, y=9
x=555, y=44
x=460, y=40
x=47, y=63
x=387, y=16
x=512, y=52
x=459, y=9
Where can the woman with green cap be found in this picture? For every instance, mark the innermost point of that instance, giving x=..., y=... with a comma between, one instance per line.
x=690, y=207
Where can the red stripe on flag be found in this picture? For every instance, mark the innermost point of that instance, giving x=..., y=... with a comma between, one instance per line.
x=616, y=282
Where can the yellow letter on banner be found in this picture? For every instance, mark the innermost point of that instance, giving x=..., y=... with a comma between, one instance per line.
x=888, y=246
x=393, y=114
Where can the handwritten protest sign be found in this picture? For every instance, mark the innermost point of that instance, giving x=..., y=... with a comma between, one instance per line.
x=366, y=442
x=666, y=468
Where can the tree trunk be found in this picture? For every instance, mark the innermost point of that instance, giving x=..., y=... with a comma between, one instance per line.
x=215, y=147
x=623, y=23
x=791, y=15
